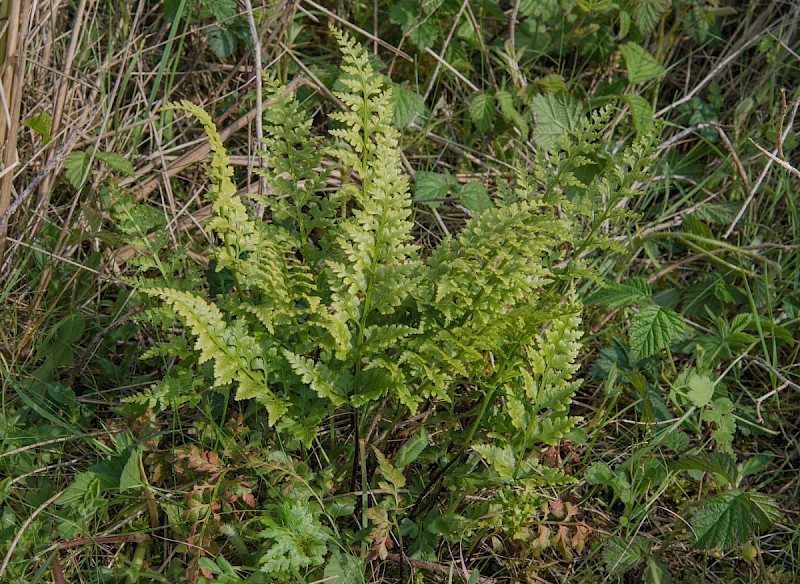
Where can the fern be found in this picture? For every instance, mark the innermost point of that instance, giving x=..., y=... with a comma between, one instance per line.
x=330, y=306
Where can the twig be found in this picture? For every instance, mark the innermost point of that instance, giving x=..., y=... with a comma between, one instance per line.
x=774, y=158
x=262, y=185
x=360, y=30
x=453, y=70
x=763, y=174
x=438, y=67
x=714, y=72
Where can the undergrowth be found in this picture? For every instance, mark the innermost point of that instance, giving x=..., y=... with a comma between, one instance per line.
x=516, y=301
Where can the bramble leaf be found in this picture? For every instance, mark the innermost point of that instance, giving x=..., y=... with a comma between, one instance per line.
x=653, y=329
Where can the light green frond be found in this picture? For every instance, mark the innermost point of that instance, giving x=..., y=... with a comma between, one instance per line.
x=236, y=354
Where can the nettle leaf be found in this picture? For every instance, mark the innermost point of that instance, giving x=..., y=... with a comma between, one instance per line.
x=403, y=12
x=646, y=14
x=653, y=329
x=556, y=114
x=640, y=64
x=116, y=162
x=423, y=35
x=75, y=167
x=615, y=295
x=482, y=110
x=432, y=187
x=221, y=41
x=730, y=519
x=409, y=106
x=656, y=572
x=620, y=555
x=641, y=112
x=474, y=196
x=718, y=463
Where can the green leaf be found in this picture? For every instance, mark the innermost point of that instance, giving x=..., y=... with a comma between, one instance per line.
x=474, y=196
x=75, y=166
x=620, y=556
x=700, y=388
x=131, y=476
x=403, y=12
x=721, y=464
x=388, y=470
x=343, y=568
x=40, y=123
x=116, y=162
x=730, y=519
x=482, y=110
x=655, y=572
x=755, y=464
x=409, y=106
x=412, y=448
x=505, y=102
x=425, y=34
x=653, y=329
x=641, y=112
x=431, y=187
x=646, y=14
x=556, y=115
x=615, y=295
x=501, y=460
x=720, y=413
x=221, y=41
x=640, y=64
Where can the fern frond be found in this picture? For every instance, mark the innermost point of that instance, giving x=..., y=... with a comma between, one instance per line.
x=236, y=355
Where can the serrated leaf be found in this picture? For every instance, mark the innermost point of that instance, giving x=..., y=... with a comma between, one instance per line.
x=431, y=187
x=615, y=295
x=409, y=106
x=474, y=196
x=75, y=166
x=221, y=41
x=555, y=114
x=655, y=572
x=730, y=519
x=641, y=112
x=619, y=556
x=116, y=162
x=425, y=34
x=717, y=463
x=131, y=475
x=40, y=123
x=482, y=110
x=646, y=14
x=700, y=388
x=403, y=12
x=653, y=329
x=343, y=568
x=640, y=64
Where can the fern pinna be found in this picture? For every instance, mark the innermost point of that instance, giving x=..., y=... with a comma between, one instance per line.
x=461, y=358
